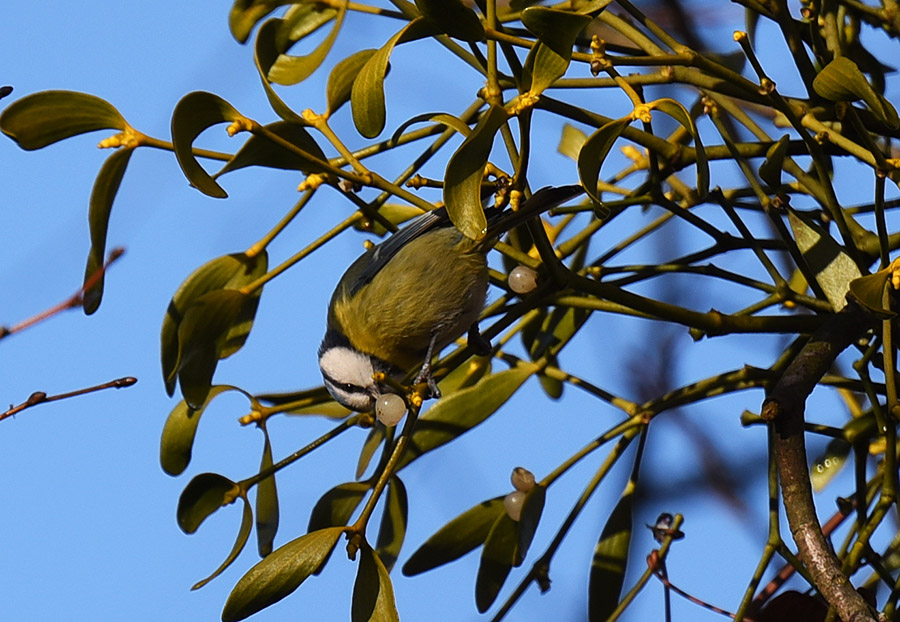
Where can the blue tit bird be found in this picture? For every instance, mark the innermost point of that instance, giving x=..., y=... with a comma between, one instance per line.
x=405, y=299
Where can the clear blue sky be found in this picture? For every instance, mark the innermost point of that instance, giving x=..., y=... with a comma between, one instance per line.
x=87, y=529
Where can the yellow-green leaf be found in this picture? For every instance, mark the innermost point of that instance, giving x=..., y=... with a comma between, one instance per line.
x=194, y=113
x=532, y=508
x=279, y=574
x=41, y=119
x=341, y=78
x=465, y=172
x=770, y=169
x=261, y=151
x=869, y=292
x=461, y=535
x=245, y=14
x=458, y=413
x=239, y=542
x=102, y=196
x=497, y=559
x=203, y=495
x=556, y=32
x=393, y=523
x=178, y=433
x=336, y=506
x=373, y=594
x=436, y=117
x=373, y=442
x=842, y=80
x=610, y=561
x=266, y=501
x=288, y=69
x=678, y=112
x=265, y=53
x=453, y=18
x=594, y=152
x=571, y=141
x=832, y=267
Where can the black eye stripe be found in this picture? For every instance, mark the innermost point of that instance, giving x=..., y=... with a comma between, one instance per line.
x=344, y=386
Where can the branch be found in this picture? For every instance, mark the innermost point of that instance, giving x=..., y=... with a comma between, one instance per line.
x=39, y=397
x=784, y=407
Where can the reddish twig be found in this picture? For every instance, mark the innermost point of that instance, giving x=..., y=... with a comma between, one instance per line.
x=76, y=300
x=39, y=397
x=659, y=570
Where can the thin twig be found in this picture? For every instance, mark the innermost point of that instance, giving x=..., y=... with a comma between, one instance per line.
x=39, y=397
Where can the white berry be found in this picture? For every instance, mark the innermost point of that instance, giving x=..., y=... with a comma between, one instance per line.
x=513, y=503
x=390, y=408
x=522, y=279
x=522, y=479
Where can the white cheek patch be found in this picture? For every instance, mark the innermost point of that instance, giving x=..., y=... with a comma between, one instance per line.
x=346, y=366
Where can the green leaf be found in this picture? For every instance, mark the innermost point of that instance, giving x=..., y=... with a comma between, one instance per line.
x=229, y=271
x=832, y=267
x=265, y=54
x=465, y=375
x=497, y=559
x=245, y=14
x=437, y=117
x=341, y=78
x=556, y=32
x=178, y=433
x=869, y=292
x=461, y=535
x=279, y=574
x=594, y=152
x=239, y=542
x=770, y=169
x=465, y=172
x=102, y=196
x=458, y=413
x=41, y=119
x=367, y=93
x=209, y=331
x=373, y=594
x=393, y=523
x=260, y=151
x=829, y=463
x=532, y=508
x=678, y=112
x=842, y=80
x=194, y=113
x=610, y=560
x=336, y=506
x=373, y=442
x=453, y=18
x=571, y=141
x=396, y=213
x=203, y=495
x=266, y=501
x=288, y=70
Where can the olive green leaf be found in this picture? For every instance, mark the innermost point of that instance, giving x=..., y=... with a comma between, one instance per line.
x=265, y=53
x=571, y=141
x=102, y=196
x=317, y=401
x=279, y=574
x=556, y=32
x=465, y=375
x=229, y=271
x=260, y=151
x=610, y=560
x=373, y=442
x=239, y=542
x=336, y=506
x=678, y=112
x=464, y=533
x=453, y=18
x=458, y=413
x=203, y=495
x=465, y=172
x=555, y=330
x=497, y=559
x=373, y=594
x=41, y=119
x=829, y=463
x=842, y=80
x=770, y=169
x=832, y=267
x=594, y=152
x=194, y=113
x=179, y=430
x=869, y=292
x=393, y=523
x=302, y=20
x=367, y=93
x=436, y=117
x=340, y=80
x=245, y=14
x=532, y=508
x=266, y=501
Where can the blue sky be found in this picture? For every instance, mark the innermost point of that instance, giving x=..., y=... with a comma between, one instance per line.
x=87, y=530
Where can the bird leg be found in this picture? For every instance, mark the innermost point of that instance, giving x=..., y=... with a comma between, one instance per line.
x=425, y=373
x=480, y=345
